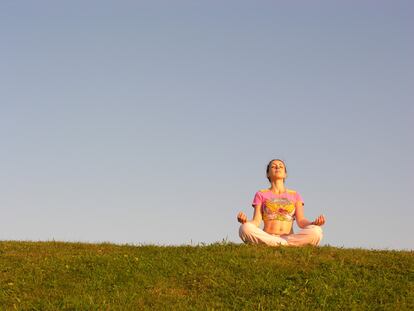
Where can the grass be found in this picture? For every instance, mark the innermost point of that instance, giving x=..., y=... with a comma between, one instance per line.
x=79, y=276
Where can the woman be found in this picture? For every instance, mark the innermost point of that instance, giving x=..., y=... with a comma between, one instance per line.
x=278, y=207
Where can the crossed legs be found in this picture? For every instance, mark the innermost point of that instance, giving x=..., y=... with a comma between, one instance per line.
x=310, y=235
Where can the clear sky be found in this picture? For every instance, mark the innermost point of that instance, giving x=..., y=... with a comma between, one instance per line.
x=153, y=121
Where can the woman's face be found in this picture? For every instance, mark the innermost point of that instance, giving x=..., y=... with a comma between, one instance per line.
x=277, y=170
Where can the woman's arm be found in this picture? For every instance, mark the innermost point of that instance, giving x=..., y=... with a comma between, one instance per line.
x=257, y=216
x=302, y=221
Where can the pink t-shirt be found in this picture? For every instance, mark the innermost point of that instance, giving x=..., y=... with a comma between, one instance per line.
x=277, y=206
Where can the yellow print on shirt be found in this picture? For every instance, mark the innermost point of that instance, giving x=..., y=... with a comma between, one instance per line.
x=279, y=209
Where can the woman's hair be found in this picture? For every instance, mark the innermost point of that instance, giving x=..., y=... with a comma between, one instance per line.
x=268, y=168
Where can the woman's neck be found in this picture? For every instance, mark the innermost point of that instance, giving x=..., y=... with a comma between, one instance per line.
x=277, y=186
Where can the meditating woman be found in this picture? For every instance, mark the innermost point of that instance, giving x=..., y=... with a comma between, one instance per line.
x=278, y=207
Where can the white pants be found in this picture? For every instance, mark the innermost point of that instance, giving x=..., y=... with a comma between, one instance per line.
x=310, y=235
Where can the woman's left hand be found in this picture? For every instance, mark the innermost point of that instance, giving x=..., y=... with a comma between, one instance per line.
x=319, y=221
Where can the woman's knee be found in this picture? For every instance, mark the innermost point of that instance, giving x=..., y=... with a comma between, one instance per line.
x=246, y=229
x=317, y=232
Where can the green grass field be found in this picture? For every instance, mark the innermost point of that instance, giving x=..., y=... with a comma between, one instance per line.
x=78, y=276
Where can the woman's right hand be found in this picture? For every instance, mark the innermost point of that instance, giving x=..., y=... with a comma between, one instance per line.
x=241, y=217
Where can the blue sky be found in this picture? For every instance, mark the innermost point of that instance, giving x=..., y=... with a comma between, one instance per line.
x=152, y=122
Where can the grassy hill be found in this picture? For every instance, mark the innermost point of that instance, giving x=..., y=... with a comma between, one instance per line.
x=78, y=276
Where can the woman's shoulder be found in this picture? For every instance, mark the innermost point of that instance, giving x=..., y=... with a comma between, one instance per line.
x=295, y=195
x=262, y=193
x=291, y=191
